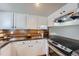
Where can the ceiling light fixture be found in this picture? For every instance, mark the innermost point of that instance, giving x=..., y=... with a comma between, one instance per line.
x=37, y=4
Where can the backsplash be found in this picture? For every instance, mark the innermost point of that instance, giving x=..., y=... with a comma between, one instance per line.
x=66, y=31
x=20, y=33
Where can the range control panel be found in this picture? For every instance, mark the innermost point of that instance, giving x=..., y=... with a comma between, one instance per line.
x=60, y=46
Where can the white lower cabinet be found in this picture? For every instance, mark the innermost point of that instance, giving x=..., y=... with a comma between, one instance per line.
x=25, y=48
x=30, y=48
x=6, y=51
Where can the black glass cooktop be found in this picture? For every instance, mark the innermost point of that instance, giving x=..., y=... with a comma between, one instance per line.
x=68, y=42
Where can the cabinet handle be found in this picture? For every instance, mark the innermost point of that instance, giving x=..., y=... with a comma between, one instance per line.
x=15, y=26
x=30, y=46
x=12, y=26
x=23, y=42
x=36, y=41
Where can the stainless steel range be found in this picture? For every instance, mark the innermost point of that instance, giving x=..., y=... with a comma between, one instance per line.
x=60, y=46
x=66, y=45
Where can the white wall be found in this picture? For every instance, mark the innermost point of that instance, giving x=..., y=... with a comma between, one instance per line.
x=66, y=31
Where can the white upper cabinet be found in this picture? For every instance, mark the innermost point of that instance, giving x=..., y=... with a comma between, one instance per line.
x=35, y=22
x=42, y=21
x=50, y=22
x=70, y=7
x=32, y=22
x=6, y=20
x=20, y=21
x=10, y=20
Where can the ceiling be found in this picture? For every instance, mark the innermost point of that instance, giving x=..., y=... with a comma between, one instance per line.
x=45, y=9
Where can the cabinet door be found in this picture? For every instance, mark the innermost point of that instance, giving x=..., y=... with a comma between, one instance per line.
x=6, y=20
x=25, y=48
x=20, y=48
x=36, y=47
x=42, y=21
x=6, y=51
x=30, y=48
x=20, y=21
x=32, y=22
